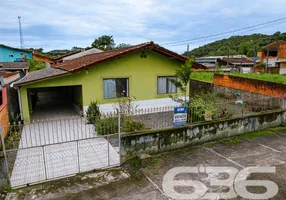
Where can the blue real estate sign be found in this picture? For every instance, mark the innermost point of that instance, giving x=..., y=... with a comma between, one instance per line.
x=180, y=116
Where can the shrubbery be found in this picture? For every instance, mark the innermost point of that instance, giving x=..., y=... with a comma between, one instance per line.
x=92, y=112
x=110, y=125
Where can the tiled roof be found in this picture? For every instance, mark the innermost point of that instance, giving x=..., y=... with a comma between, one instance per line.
x=84, y=62
x=238, y=60
x=14, y=65
x=82, y=53
x=273, y=45
x=5, y=73
x=92, y=59
x=42, y=74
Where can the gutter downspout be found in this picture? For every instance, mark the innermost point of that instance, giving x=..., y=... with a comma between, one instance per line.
x=19, y=96
x=20, y=103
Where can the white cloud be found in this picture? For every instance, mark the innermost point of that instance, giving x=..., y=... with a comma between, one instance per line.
x=79, y=22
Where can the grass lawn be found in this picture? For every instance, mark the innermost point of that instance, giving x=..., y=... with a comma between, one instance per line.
x=203, y=76
x=277, y=78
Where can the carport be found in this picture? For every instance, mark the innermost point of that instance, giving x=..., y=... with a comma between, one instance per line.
x=55, y=102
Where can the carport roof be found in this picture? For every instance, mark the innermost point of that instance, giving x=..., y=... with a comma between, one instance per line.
x=40, y=75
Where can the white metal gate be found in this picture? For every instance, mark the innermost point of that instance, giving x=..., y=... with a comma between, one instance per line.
x=53, y=149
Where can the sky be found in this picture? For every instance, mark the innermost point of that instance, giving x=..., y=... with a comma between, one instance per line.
x=63, y=24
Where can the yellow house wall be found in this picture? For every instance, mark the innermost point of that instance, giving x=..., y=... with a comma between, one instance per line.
x=142, y=74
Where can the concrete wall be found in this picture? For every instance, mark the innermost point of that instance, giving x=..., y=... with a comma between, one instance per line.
x=4, y=184
x=197, y=87
x=251, y=85
x=175, y=138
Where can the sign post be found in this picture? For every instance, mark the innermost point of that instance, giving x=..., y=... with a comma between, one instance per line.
x=180, y=116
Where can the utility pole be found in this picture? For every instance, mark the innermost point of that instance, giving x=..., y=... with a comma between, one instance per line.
x=254, y=58
x=266, y=67
x=241, y=69
x=188, y=47
x=21, y=35
x=228, y=50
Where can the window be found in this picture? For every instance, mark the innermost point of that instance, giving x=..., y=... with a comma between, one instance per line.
x=115, y=87
x=165, y=86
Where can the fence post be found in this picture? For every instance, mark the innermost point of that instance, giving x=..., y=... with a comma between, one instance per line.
x=5, y=156
x=44, y=159
x=119, y=134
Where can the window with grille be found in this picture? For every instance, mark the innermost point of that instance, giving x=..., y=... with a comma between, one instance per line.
x=115, y=88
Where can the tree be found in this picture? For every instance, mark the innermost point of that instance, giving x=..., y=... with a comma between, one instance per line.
x=35, y=65
x=123, y=45
x=183, y=74
x=76, y=48
x=104, y=42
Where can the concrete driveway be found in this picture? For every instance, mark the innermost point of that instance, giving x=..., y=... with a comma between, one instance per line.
x=146, y=182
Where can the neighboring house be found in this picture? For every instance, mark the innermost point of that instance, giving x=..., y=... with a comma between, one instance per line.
x=76, y=54
x=43, y=58
x=238, y=62
x=244, y=64
x=22, y=67
x=139, y=72
x=82, y=53
x=8, y=99
x=274, y=55
x=11, y=54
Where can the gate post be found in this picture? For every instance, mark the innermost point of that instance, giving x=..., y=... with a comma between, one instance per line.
x=6, y=170
x=119, y=134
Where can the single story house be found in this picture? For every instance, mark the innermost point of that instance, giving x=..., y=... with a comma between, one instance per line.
x=139, y=72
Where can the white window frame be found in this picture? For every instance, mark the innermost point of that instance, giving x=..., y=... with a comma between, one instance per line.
x=166, y=88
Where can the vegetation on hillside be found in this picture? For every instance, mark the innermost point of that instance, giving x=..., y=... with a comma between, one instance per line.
x=237, y=45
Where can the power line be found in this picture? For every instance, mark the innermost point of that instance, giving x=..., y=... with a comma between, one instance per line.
x=223, y=33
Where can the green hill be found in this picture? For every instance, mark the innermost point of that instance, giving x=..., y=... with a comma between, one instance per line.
x=237, y=45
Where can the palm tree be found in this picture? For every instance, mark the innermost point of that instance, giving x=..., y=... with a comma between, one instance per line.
x=104, y=42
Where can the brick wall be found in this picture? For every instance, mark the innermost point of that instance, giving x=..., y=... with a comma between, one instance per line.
x=4, y=116
x=282, y=51
x=4, y=120
x=251, y=85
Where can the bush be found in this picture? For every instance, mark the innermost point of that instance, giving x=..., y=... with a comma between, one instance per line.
x=106, y=126
x=110, y=125
x=132, y=126
x=92, y=112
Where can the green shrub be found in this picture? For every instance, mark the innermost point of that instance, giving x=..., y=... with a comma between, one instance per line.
x=92, y=112
x=110, y=125
x=132, y=126
x=106, y=126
